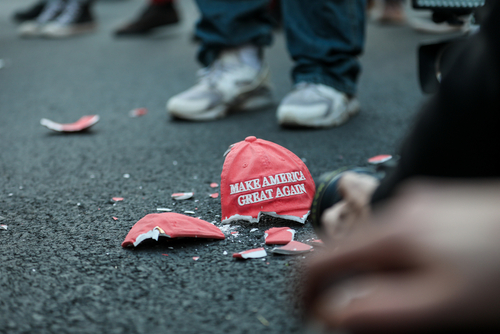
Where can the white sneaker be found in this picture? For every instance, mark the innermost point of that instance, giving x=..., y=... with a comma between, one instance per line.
x=316, y=105
x=33, y=28
x=229, y=83
x=76, y=19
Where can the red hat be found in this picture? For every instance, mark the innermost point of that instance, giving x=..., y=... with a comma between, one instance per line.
x=171, y=225
x=259, y=176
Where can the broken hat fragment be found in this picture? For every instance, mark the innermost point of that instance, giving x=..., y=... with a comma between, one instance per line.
x=251, y=254
x=261, y=177
x=171, y=225
x=292, y=248
x=279, y=235
x=84, y=123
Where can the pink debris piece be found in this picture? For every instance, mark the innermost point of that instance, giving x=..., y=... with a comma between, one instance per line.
x=214, y=185
x=196, y=258
x=378, y=159
x=82, y=124
x=292, y=248
x=214, y=195
x=171, y=225
x=138, y=112
x=251, y=254
x=115, y=218
x=117, y=199
x=182, y=196
x=279, y=235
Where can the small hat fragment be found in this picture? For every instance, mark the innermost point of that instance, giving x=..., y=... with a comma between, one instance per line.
x=138, y=112
x=3, y=227
x=163, y=209
x=196, y=258
x=214, y=185
x=117, y=199
x=182, y=196
x=170, y=225
x=214, y=195
x=115, y=218
x=83, y=124
x=379, y=159
x=256, y=253
x=292, y=248
x=279, y=235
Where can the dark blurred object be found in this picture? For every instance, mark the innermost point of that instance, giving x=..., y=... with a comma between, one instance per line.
x=433, y=57
x=153, y=16
x=29, y=13
x=327, y=193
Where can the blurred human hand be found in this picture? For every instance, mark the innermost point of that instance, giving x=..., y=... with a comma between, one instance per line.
x=356, y=190
x=429, y=259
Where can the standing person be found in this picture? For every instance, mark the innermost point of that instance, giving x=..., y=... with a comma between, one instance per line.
x=157, y=13
x=324, y=38
x=61, y=18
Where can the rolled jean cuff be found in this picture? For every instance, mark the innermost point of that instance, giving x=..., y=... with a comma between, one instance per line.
x=348, y=88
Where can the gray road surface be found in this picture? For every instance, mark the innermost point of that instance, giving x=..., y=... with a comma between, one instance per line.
x=62, y=269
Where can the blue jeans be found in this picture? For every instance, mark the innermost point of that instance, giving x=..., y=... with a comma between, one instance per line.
x=324, y=37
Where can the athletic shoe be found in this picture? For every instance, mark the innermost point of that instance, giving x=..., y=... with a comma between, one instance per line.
x=33, y=28
x=75, y=19
x=229, y=83
x=154, y=16
x=316, y=105
x=31, y=13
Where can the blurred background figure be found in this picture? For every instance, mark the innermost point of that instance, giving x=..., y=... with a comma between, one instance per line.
x=56, y=18
x=156, y=14
x=392, y=11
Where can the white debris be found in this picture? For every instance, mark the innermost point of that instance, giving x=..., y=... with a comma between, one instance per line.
x=3, y=227
x=225, y=253
x=126, y=176
x=189, y=212
x=254, y=229
x=163, y=209
x=182, y=196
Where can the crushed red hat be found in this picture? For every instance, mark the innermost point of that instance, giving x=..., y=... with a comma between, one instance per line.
x=261, y=177
x=171, y=225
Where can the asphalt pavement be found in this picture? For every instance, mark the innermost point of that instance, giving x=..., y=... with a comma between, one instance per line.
x=62, y=267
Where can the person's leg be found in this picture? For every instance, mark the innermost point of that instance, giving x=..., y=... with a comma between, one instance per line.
x=50, y=11
x=228, y=24
x=158, y=13
x=232, y=34
x=324, y=38
x=30, y=13
x=76, y=18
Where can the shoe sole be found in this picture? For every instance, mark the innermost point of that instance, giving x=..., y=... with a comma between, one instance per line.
x=67, y=32
x=246, y=100
x=289, y=120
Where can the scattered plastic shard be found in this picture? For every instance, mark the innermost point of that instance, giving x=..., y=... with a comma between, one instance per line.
x=254, y=229
x=82, y=124
x=115, y=218
x=138, y=112
x=379, y=159
x=279, y=235
x=292, y=248
x=117, y=199
x=263, y=320
x=190, y=212
x=214, y=185
x=224, y=253
x=127, y=176
x=214, y=195
x=256, y=253
x=163, y=209
x=3, y=227
x=181, y=196
x=171, y=225
x=196, y=258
